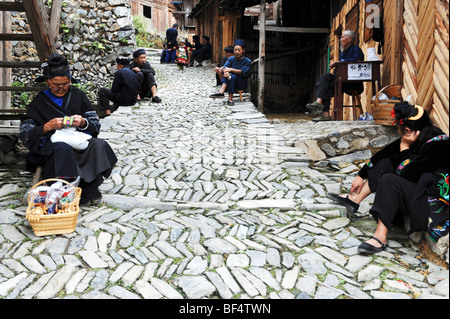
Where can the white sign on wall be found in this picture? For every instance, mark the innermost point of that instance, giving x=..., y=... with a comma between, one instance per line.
x=360, y=71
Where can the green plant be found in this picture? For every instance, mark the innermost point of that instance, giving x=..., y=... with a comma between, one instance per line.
x=144, y=38
x=101, y=45
x=24, y=98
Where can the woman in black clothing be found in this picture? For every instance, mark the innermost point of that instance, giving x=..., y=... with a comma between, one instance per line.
x=403, y=175
x=46, y=114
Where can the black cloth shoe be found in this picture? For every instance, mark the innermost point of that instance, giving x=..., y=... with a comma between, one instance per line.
x=351, y=206
x=369, y=249
x=102, y=114
x=156, y=99
x=216, y=95
x=230, y=103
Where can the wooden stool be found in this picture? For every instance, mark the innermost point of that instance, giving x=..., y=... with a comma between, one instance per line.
x=240, y=95
x=356, y=103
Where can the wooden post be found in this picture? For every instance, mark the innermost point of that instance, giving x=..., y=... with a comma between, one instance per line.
x=55, y=18
x=262, y=56
x=5, y=55
x=40, y=28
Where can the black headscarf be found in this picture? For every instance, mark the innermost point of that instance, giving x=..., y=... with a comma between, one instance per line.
x=412, y=116
x=138, y=52
x=56, y=65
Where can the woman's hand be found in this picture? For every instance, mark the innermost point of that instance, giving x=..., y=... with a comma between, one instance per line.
x=78, y=120
x=357, y=185
x=54, y=124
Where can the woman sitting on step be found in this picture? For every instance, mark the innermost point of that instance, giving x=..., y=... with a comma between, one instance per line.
x=409, y=177
x=63, y=106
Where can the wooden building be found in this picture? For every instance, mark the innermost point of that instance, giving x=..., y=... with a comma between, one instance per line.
x=415, y=50
x=159, y=13
x=302, y=39
x=296, y=43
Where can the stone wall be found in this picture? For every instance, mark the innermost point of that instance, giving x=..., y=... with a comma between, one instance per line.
x=92, y=34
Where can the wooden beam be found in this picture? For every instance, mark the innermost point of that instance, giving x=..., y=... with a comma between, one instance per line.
x=40, y=28
x=293, y=30
x=9, y=130
x=11, y=6
x=262, y=57
x=21, y=89
x=397, y=45
x=293, y=52
x=55, y=18
x=15, y=111
x=19, y=64
x=16, y=37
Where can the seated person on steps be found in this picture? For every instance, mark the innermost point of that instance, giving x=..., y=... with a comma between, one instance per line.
x=235, y=72
x=196, y=46
x=124, y=90
x=409, y=177
x=200, y=55
x=146, y=74
x=325, y=85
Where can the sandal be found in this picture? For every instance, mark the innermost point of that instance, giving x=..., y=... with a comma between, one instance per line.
x=369, y=249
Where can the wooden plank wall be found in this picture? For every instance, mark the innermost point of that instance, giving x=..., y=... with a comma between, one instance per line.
x=208, y=24
x=162, y=18
x=440, y=110
x=426, y=47
x=230, y=27
x=410, y=54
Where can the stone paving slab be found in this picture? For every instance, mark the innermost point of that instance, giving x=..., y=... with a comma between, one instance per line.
x=210, y=201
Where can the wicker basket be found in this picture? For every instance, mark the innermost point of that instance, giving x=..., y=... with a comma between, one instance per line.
x=382, y=109
x=54, y=224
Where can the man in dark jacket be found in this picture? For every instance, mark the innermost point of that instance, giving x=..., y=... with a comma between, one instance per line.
x=171, y=37
x=145, y=72
x=124, y=90
x=325, y=85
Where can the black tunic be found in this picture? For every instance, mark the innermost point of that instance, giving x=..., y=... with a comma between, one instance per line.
x=403, y=180
x=96, y=160
x=126, y=86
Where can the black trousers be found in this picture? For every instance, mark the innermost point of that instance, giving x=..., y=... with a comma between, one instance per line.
x=199, y=56
x=64, y=163
x=393, y=200
x=147, y=80
x=104, y=97
x=325, y=89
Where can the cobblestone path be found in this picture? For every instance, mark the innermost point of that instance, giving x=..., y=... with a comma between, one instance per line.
x=206, y=201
